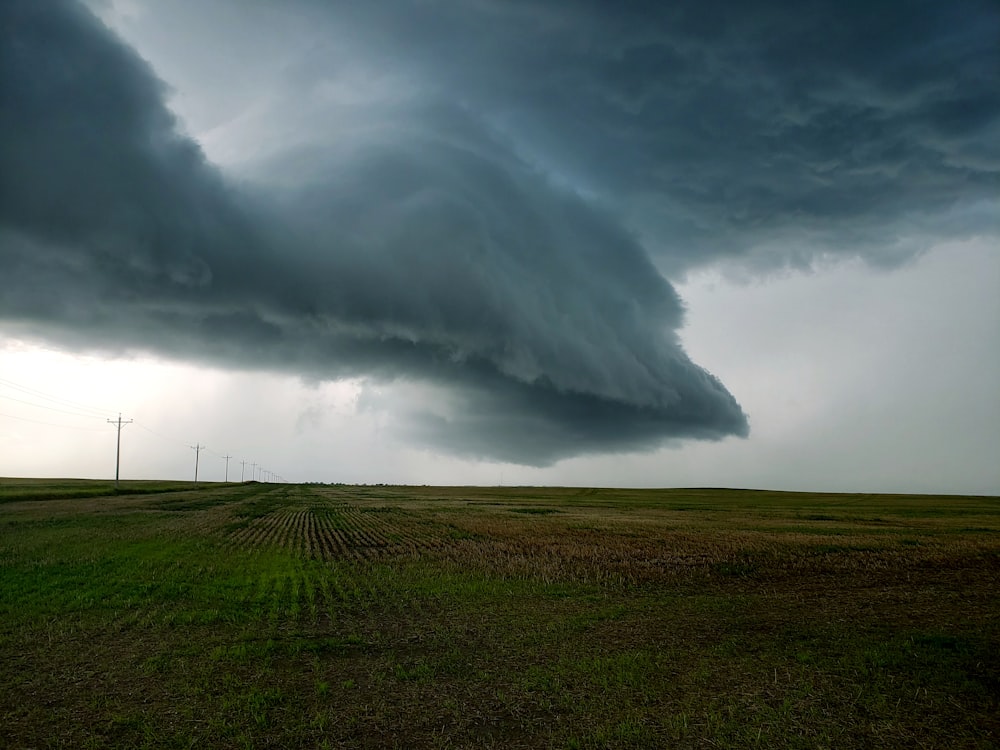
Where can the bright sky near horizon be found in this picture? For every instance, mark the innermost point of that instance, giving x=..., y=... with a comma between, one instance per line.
x=503, y=243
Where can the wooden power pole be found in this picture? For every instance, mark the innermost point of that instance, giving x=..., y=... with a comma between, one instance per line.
x=118, y=451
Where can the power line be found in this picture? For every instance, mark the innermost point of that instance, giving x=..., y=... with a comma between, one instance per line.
x=52, y=424
x=118, y=451
x=73, y=408
x=160, y=435
x=217, y=455
x=52, y=408
x=55, y=399
x=197, y=448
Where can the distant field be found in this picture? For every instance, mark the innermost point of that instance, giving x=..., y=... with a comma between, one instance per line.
x=12, y=490
x=286, y=616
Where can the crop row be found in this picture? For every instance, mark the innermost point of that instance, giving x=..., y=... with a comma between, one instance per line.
x=341, y=532
x=591, y=547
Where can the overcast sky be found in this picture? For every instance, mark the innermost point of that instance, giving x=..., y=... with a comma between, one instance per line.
x=724, y=243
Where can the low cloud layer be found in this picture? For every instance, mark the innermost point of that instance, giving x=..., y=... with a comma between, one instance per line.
x=478, y=197
x=431, y=254
x=757, y=133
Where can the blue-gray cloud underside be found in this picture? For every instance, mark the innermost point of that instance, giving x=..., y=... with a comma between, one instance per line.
x=426, y=250
x=765, y=132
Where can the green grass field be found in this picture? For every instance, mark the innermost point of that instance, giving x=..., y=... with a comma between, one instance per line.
x=289, y=616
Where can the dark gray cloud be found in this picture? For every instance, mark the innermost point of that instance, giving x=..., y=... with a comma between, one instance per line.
x=755, y=132
x=422, y=246
x=759, y=131
x=474, y=194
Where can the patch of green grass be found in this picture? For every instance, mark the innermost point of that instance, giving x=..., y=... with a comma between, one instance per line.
x=735, y=569
x=264, y=616
x=535, y=511
x=19, y=490
x=831, y=549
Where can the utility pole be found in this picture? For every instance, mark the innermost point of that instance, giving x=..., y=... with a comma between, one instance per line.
x=227, y=467
x=243, y=464
x=197, y=448
x=118, y=450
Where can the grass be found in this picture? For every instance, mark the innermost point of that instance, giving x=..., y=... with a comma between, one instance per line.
x=13, y=490
x=254, y=616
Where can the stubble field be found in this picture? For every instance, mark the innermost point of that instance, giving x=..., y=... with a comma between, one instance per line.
x=415, y=617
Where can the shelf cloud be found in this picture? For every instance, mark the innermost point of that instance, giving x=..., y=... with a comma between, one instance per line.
x=485, y=198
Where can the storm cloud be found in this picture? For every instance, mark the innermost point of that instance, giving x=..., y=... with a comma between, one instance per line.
x=756, y=133
x=430, y=252
x=481, y=197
